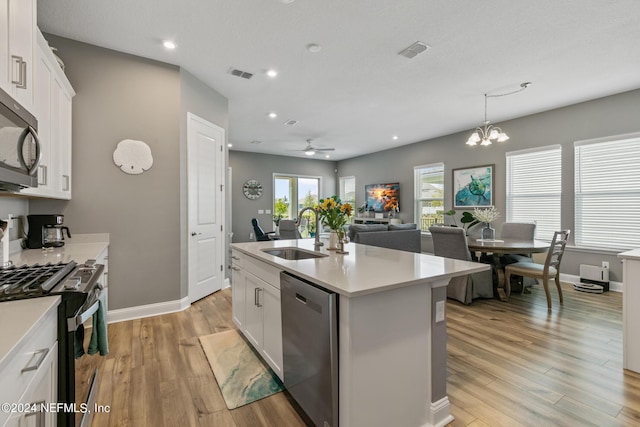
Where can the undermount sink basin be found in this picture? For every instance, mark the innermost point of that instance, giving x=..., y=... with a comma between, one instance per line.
x=293, y=253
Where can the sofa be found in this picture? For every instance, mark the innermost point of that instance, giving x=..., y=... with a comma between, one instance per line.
x=404, y=237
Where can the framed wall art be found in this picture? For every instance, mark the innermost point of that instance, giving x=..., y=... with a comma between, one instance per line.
x=473, y=187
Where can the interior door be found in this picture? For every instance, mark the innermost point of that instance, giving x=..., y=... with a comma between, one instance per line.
x=206, y=173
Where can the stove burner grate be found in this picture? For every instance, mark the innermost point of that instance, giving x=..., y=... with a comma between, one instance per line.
x=32, y=280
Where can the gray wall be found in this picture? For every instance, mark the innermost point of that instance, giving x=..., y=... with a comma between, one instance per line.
x=613, y=115
x=121, y=96
x=201, y=100
x=246, y=166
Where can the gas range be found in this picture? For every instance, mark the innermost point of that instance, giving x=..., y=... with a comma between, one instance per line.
x=80, y=291
x=32, y=281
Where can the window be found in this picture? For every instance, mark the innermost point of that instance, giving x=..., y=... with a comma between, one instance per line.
x=534, y=188
x=607, y=192
x=292, y=193
x=429, y=195
x=348, y=190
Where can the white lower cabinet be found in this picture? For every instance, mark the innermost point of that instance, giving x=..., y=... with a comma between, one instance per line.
x=30, y=377
x=256, y=311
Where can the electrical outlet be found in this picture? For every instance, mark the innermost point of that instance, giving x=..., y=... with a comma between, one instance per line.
x=439, y=311
x=605, y=264
x=251, y=236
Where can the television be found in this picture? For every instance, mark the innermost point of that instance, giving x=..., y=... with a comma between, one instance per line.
x=382, y=197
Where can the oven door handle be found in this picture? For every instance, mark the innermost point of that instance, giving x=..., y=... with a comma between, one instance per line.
x=79, y=319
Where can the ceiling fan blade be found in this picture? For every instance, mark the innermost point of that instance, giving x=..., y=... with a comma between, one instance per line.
x=324, y=149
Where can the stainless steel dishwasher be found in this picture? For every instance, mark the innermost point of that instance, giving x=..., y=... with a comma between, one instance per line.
x=310, y=346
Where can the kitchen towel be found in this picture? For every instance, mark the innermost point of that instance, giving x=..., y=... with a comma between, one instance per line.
x=99, y=340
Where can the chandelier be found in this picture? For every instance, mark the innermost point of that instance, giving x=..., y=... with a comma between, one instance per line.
x=489, y=133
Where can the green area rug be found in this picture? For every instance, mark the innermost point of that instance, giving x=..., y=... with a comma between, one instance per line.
x=241, y=375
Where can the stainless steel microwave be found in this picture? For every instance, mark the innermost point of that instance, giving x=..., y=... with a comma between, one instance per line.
x=19, y=146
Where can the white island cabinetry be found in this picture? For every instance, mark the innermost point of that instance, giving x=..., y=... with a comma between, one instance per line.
x=256, y=307
x=392, y=356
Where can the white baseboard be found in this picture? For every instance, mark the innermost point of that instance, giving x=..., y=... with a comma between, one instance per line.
x=440, y=413
x=613, y=286
x=131, y=313
x=227, y=283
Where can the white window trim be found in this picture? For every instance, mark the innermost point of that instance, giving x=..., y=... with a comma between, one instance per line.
x=416, y=185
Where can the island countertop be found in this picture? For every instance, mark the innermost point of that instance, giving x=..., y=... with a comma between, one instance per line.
x=364, y=270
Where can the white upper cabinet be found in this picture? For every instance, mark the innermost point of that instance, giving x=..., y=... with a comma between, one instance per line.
x=52, y=107
x=18, y=25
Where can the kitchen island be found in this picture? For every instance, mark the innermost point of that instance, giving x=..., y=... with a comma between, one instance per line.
x=391, y=327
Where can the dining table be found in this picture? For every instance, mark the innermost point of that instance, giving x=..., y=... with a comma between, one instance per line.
x=498, y=247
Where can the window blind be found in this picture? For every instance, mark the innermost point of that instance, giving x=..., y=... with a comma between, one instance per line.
x=534, y=188
x=607, y=192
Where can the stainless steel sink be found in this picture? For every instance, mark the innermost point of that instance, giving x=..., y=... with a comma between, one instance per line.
x=292, y=253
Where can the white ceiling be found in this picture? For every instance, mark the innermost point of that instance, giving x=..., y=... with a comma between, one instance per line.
x=357, y=92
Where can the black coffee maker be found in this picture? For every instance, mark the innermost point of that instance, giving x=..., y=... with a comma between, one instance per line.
x=46, y=231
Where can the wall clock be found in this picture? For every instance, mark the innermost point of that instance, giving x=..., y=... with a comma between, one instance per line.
x=252, y=189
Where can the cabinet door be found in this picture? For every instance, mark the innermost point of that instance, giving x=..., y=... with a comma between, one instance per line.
x=64, y=142
x=272, y=329
x=4, y=46
x=21, y=34
x=254, y=291
x=238, y=299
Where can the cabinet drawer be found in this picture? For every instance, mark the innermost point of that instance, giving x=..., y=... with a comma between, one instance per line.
x=28, y=358
x=266, y=272
x=237, y=258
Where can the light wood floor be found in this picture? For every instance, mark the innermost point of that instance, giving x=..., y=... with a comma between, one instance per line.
x=510, y=364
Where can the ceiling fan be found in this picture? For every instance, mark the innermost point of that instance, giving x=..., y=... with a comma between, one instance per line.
x=310, y=150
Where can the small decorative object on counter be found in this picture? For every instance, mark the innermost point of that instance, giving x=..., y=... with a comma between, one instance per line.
x=487, y=216
x=334, y=214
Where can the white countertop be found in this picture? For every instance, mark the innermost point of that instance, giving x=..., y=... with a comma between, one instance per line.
x=19, y=318
x=632, y=254
x=78, y=248
x=365, y=270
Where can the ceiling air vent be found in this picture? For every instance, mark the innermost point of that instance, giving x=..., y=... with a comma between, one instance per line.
x=414, y=49
x=240, y=73
x=290, y=123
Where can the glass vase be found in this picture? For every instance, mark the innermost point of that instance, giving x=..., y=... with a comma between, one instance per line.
x=488, y=233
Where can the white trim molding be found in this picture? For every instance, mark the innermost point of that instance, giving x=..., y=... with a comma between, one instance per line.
x=440, y=413
x=148, y=310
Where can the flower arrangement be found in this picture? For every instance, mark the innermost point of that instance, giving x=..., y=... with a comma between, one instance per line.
x=486, y=215
x=333, y=212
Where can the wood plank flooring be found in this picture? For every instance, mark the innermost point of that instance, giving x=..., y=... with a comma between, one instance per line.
x=510, y=364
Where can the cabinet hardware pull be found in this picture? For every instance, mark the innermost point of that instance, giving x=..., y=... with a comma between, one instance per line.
x=67, y=183
x=43, y=168
x=235, y=257
x=40, y=418
x=23, y=75
x=259, y=290
x=17, y=60
x=43, y=353
x=234, y=268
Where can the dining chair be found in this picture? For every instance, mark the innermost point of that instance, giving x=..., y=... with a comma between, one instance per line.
x=260, y=234
x=549, y=270
x=518, y=231
x=289, y=229
x=451, y=242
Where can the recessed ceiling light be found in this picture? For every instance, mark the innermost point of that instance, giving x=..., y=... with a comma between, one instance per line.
x=394, y=137
x=327, y=156
x=287, y=1
x=168, y=44
x=256, y=142
x=313, y=47
x=271, y=73
x=272, y=115
x=229, y=145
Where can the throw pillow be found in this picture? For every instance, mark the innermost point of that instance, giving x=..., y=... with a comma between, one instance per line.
x=409, y=226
